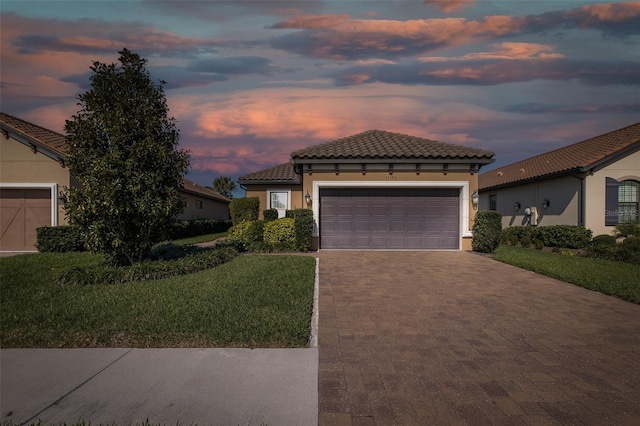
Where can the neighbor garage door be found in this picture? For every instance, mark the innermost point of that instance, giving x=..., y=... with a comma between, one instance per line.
x=389, y=218
x=21, y=212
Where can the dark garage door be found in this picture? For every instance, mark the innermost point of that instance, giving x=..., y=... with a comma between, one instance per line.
x=389, y=218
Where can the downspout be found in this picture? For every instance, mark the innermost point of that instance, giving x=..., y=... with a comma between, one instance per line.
x=581, y=204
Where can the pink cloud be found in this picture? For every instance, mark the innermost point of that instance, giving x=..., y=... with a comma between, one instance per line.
x=449, y=5
x=504, y=51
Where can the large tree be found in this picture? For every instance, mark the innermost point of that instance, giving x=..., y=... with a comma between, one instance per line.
x=224, y=185
x=124, y=153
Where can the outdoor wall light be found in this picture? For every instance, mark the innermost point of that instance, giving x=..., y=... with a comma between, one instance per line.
x=475, y=198
x=516, y=206
x=545, y=203
x=307, y=197
x=62, y=198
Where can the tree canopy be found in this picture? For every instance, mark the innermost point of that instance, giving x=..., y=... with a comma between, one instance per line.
x=124, y=153
x=224, y=185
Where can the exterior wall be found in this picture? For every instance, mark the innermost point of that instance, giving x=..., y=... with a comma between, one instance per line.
x=260, y=191
x=211, y=209
x=561, y=192
x=623, y=169
x=400, y=178
x=19, y=165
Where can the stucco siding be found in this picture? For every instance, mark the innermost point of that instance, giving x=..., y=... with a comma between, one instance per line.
x=260, y=191
x=20, y=165
x=211, y=209
x=623, y=169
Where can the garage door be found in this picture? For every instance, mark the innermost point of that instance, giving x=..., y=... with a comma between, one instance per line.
x=21, y=212
x=389, y=218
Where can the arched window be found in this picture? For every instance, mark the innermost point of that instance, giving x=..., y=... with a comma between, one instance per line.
x=628, y=197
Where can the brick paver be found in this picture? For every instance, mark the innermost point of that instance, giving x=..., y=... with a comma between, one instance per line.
x=454, y=338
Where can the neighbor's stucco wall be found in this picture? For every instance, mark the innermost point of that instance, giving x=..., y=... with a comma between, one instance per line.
x=623, y=169
x=561, y=192
x=20, y=165
x=211, y=209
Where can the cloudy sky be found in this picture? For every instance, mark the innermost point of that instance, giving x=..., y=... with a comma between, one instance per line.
x=251, y=81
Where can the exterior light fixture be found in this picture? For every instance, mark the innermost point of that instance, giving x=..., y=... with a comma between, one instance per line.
x=475, y=198
x=545, y=203
x=516, y=206
x=307, y=197
x=62, y=198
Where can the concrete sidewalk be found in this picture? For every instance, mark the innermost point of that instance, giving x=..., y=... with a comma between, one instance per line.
x=166, y=386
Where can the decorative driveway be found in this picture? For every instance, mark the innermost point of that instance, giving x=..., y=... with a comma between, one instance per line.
x=446, y=338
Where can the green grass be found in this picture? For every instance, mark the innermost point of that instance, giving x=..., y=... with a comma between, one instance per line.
x=621, y=280
x=252, y=301
x=200, y=239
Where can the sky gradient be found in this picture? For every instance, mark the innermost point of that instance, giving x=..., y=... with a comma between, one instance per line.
x=251, y=81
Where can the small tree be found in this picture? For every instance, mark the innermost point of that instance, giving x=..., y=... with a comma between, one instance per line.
x=487, y=229
x=123, y=150
x=223, y=185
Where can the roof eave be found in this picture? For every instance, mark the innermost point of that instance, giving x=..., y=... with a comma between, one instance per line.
x=30, y=142
x=531, y=179
x=267, y=182
x=200, y=194
x=612, y=157
x=365, y=160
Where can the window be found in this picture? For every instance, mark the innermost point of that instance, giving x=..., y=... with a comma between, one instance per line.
x=199, y=204
x=279, y=200
x=628, y=197
x=493, y=202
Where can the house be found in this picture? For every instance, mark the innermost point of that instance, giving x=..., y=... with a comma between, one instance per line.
x=33, y=172
x=378, y=190
x=594, y=183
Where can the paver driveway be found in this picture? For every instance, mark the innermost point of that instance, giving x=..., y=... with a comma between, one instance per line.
x=439, y=338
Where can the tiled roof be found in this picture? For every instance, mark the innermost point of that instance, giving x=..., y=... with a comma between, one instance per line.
x=380, y=144
x=195, y=189
x=49, y=138
x=580, y=156
x=282, y=173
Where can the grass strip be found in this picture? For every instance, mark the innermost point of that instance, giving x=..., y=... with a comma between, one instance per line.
x=251, y=301
x=200, y=239
x=621, y=280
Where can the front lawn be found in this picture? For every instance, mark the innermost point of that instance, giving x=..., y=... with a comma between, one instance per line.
x=252, y=301
x=200, y=239
x=617, y=279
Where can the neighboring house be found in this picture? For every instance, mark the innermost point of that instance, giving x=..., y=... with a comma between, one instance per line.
x=594, y=183
x=378, y=190
x=33, y=172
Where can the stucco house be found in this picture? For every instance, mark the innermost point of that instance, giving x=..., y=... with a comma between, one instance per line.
x=33, y=171
x=378, y=190
x=594, y=183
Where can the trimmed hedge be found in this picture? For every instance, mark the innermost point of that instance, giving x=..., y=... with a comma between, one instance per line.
x=562, y=236
x=148, y=270
x=247, y=232
x=487, y=228
x=194, y=228
x=281, y=233
x=244, y=209
x=304, y=227
x=60, y=239
x=270, y=214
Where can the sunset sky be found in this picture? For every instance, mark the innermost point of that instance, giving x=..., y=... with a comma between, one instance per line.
x=251, y=81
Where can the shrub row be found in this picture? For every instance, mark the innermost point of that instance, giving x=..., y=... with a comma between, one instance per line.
x=292, y=232
x=59, y=239
x=607, y=247
x=148, y=270
x=564, y=236
x=270, y=214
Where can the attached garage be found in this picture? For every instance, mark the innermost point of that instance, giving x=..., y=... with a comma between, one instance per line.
x=22, y=211
x=390, y=218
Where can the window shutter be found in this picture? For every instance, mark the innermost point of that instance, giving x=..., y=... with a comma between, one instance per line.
x=611, y=202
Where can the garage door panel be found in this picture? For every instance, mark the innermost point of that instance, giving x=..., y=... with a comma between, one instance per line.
x=23, y=211
x=391, y=218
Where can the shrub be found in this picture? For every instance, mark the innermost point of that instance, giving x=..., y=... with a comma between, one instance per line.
x=539, y=245
x=627, y=229
x=602, y=247
x=60, y=239
x=148, y=270
x=487, y=229
x=304, y=227
x=515, y=235
x=281, y=232
x=247, y=232
x=565, y=236
x=270, y=214
x=194, y=228
x=244, y=209
x=629, y=250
